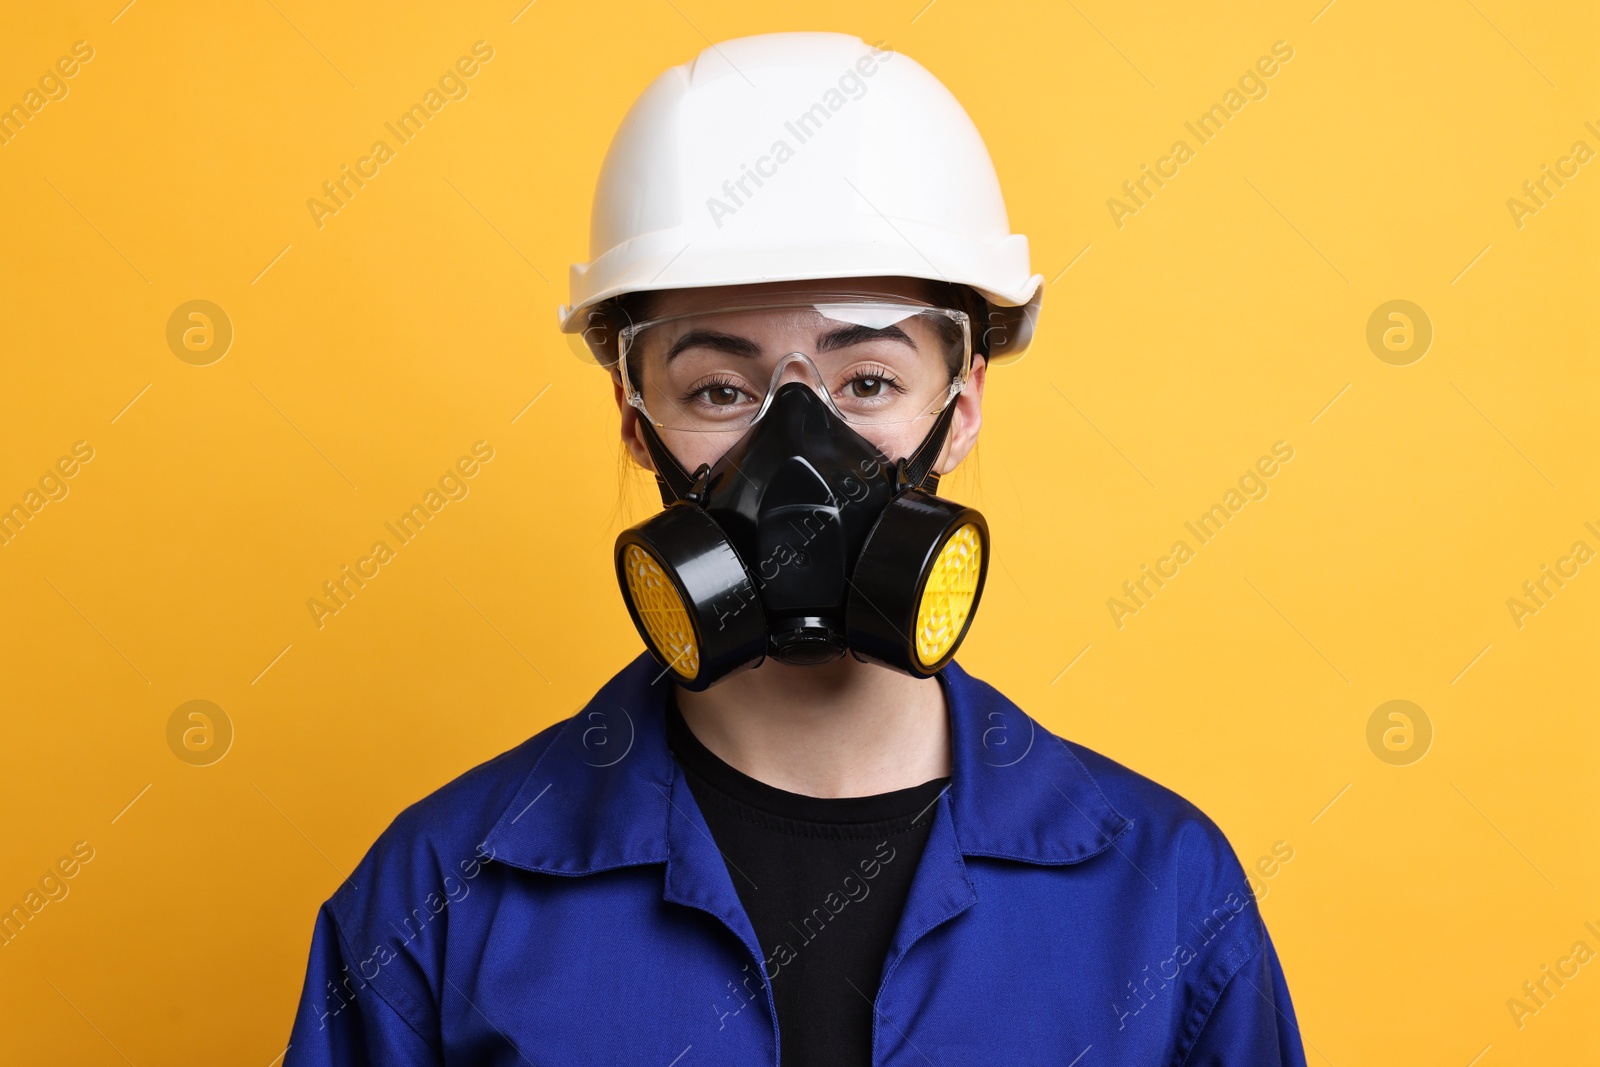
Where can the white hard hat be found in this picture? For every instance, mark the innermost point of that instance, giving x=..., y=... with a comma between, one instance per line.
x=803, y=156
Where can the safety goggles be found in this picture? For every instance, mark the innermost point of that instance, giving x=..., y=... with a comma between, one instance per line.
x=874, y=362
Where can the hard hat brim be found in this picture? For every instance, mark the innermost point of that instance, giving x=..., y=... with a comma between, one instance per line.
x=659, y=262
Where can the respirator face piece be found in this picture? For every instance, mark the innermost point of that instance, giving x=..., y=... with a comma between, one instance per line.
x=804, y=541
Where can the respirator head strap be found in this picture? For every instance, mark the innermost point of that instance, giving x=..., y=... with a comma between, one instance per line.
x=918, y=466
x=672, y=479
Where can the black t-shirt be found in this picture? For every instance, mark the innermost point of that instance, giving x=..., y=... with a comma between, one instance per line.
x=823, y=881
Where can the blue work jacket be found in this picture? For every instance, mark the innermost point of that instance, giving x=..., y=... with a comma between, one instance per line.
x=564, y=904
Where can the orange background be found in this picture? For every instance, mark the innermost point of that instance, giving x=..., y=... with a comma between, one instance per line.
x=1228, y=313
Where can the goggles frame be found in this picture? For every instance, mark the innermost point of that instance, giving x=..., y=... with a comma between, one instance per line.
x=819, y=303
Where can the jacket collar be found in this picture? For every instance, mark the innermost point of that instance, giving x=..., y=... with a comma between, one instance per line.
x=604, y=793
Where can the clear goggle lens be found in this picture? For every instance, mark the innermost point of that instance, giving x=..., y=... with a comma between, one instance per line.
x=876, y=363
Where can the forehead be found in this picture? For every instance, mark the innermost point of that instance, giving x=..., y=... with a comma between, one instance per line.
x=688, y=301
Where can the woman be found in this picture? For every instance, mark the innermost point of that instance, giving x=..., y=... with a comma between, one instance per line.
x=794, y=829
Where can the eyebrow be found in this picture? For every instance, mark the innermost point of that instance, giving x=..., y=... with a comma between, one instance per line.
x=733, y=344
x=846, y=336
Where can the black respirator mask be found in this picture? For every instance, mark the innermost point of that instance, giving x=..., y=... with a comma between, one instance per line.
x=804, y=541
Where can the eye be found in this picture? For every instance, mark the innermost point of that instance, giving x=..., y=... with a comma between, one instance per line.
x=717, y=393
x=720, y=395
x=870, y=385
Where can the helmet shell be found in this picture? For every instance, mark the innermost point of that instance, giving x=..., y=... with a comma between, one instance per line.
x=796, y=157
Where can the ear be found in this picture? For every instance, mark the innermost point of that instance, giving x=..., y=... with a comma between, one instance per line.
x=632, y=436
x=964, y=424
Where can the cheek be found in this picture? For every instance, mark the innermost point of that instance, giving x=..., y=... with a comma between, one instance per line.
x=899, y=441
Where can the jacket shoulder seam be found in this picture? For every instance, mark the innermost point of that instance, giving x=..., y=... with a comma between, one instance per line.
x=407, y=1010
x=1200, y=1017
